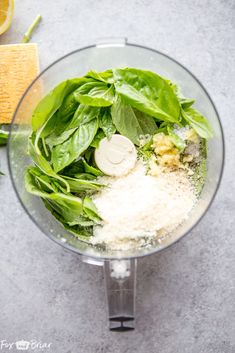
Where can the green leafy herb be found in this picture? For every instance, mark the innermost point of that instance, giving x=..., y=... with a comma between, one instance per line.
x=52, y=102
x=69, y=123
x=178, y=141
x=3, y=137
x=106, y=76
x=130, y=122
x=147, y=92
x=28, y=34
x=106, y=123
x=79, y=141
x=198, y=122
x=96, y=94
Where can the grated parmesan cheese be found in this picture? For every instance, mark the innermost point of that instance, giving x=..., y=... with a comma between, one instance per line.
x=139, y=207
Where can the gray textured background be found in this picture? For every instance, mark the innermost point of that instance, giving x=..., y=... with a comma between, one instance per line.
x=185, y=298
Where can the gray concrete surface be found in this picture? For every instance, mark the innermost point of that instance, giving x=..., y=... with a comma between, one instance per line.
x=185, y=300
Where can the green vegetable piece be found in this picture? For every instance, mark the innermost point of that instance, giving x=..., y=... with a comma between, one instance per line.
x=105, y=76
x=90, y=169
x=177, y=141
x=79, y=141
x=81, y=232
x=54, y=140
x=130, y=122
x=44, y=165
x=148, y=92
x=78, y=185
x=68, y=107
x=68, y=206
x=106, y=123
x=184, y=102
x=84, y=114
x=3, y=137
x=198, y=122
x=91, y=210
x=28, y=34
x=52, y=102
x=96, y=94
x=98, y=137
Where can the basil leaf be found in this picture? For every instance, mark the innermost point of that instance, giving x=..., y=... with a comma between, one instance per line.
x=79, y=141
x=131, y=123
x=85, y=176
x=106, y=123
x=91, y=210
x=198, y=122
x=98, y=137
x=90, y=169
x=52, y=101
x=96, y=94
x=187, y=102
x=81, y=232
x=68, y=206
x=78, y=185
x=3, y=137
x=83, y=114
x=105, y=76
x=148, y=92
x=68, y=107
x=42, y=180
x=184, y=102
x=54, y=140
x=43, y=164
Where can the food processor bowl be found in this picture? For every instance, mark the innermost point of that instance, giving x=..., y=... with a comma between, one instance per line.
x=119, y=266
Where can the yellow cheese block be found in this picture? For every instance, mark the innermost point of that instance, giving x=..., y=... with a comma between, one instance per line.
x=19, y=65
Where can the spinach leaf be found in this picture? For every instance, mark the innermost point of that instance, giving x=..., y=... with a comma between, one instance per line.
x=96, y=94
x=130, y=122
x=198, y=122
x=148, y=92
x=79, y=141
x=106, y=123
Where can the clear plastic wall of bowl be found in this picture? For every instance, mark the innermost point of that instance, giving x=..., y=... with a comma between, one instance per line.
x=101, y=57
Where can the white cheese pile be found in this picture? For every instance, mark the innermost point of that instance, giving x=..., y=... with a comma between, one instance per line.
x=137, y=206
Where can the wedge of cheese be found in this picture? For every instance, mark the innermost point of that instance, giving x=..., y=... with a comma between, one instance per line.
x=19, y=65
